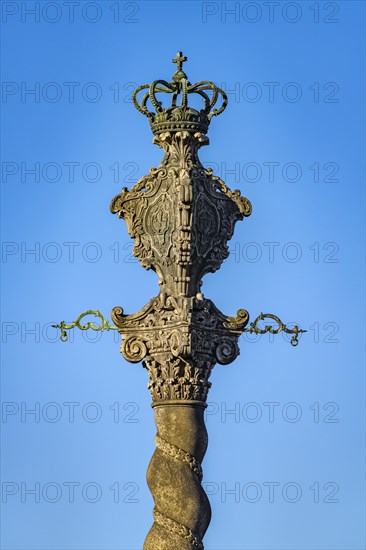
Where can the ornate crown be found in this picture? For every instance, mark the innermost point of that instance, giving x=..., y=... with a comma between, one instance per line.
x=180, y=117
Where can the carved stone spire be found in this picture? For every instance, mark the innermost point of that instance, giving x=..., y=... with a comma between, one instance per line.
x=181, y=218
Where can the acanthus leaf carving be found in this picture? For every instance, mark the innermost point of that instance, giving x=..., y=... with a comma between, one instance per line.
x=180, y=341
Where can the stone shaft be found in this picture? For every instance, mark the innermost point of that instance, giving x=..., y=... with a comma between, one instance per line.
x=182, y=511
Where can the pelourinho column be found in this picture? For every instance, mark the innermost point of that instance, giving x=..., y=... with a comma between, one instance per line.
x=181, y=217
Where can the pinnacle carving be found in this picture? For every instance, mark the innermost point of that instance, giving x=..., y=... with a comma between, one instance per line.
x=181, y=217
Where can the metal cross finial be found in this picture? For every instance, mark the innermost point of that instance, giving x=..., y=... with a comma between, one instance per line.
x=179, y=60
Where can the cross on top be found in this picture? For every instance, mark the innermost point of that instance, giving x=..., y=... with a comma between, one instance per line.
x=179, y=60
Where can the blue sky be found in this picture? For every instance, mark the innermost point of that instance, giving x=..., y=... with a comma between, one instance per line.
x=284, y=469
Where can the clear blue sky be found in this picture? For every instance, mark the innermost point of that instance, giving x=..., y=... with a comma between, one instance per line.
x=285, y=471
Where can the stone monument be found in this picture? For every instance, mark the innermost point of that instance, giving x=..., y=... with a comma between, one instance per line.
x=181, y=217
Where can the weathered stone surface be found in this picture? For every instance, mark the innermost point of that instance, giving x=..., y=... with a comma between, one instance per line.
x=180, y=340
x=181, y=216
x=182, y=510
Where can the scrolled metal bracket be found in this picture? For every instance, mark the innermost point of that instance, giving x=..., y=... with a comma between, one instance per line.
x=254, y=327
x=105, y=325
x=237, y=322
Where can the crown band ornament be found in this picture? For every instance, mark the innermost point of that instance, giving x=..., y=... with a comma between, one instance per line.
x=179, y=117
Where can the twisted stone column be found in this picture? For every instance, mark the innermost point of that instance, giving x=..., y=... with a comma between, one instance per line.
x=182, y=511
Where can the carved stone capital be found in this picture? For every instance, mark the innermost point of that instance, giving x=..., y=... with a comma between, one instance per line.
x=180, y=341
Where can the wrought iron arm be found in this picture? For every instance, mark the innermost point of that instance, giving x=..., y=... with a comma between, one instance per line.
x=254, y=327
x=103, y=326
